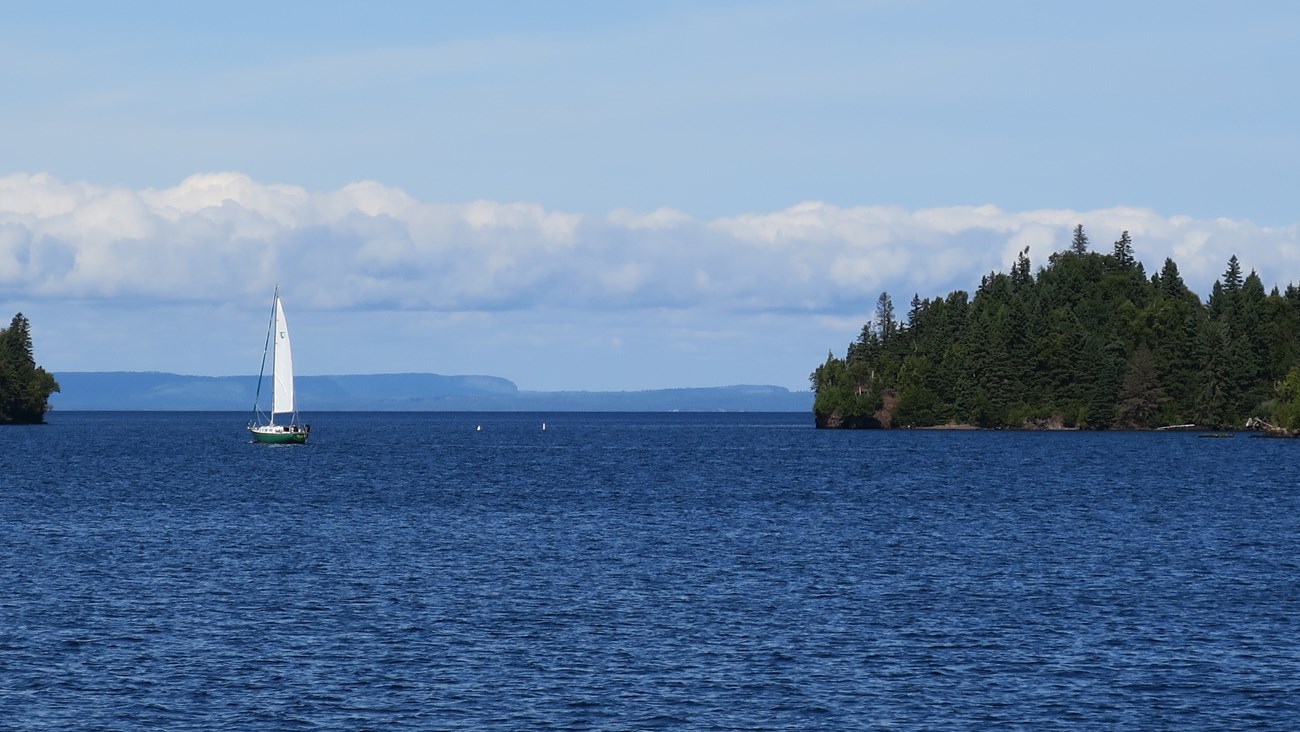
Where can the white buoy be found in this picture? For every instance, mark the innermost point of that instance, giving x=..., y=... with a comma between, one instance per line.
x=478, y=428
x=543, y=426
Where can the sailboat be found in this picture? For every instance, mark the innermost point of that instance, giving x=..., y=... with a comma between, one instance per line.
x=264, y=426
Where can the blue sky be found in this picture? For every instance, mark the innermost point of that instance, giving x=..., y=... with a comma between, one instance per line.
x=609, y=195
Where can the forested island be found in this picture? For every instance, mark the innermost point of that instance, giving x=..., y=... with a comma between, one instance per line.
x=1088, y=341
x=25, y=388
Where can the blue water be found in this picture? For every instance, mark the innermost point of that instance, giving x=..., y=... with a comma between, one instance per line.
x=642, y=571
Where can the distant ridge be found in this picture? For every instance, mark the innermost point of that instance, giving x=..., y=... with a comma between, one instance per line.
x=743, y=398
x=409, y=392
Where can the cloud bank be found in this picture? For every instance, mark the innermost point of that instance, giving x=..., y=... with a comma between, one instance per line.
x=224, y=238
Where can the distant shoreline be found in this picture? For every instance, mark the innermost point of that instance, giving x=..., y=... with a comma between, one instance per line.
x=406, y=392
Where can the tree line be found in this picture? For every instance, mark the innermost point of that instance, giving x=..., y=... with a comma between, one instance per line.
x=25, y=388
x=1086, y=341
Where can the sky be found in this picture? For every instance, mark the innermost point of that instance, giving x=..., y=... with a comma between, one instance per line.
x=610, y=196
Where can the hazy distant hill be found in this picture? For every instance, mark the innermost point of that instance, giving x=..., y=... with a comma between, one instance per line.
x=148, y=391
x=705, y=399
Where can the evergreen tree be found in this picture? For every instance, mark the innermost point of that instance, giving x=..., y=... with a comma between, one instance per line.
x=1173, y=326
x=1218, y=304
x=1141, y=397
x=1217, y=395
x=1079, y=244
x=1248, y=334
x=1123, y=253
x=1020, y=274
x=25, y=388
x=885, y=323
x=1172, y=285
x=1232, y=280
x=915, y=312
x=1278, y=336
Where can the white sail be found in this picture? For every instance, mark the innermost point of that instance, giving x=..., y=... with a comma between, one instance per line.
x=282, y=367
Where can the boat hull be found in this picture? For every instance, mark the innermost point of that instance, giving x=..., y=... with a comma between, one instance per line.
x=279, y=435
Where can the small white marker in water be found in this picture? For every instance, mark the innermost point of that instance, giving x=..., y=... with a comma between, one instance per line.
x=543, y=426
x=478, y=428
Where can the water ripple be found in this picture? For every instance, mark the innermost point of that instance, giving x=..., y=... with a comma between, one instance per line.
x=642, y=572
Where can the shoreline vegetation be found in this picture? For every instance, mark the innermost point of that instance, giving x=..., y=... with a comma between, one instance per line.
x=1086, y=342
x=25, y=388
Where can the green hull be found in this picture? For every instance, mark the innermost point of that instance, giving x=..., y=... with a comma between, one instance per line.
x=297, y=437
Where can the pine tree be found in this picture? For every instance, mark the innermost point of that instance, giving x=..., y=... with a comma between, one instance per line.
x=1020, y=274
x=885, y=317
x=915, y=312
x=1079, y=244
x=1232, y=279
x=25, y=388
x=1141, y=397
x=1218, y=392
x=1171, y=282
x=1124, y=252
x=1248, y=330
x=1173, y=325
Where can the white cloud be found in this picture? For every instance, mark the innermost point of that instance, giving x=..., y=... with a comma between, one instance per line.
x=224, y=238
x=213, y=190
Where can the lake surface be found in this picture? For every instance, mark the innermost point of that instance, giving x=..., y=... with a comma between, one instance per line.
x=642, y=571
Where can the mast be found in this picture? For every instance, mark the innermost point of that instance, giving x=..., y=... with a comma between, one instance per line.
x=266, y=348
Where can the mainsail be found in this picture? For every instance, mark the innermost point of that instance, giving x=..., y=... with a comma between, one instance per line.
x=282, y=367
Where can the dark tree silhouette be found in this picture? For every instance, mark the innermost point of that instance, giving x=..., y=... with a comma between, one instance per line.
x=25, y=388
